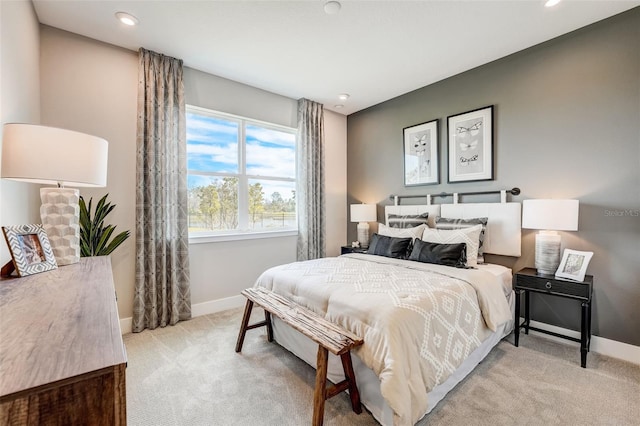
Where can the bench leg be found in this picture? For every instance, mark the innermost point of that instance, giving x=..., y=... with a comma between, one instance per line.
x=245, y=323
x=320, y=394
x=351, y=378
x=267, y=319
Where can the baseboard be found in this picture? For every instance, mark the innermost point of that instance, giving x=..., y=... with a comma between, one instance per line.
x=197, y=310
x=612, y=348
x=219, y=305
x=126, y=325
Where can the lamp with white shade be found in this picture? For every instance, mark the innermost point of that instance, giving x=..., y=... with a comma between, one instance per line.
x=549, y=216
x=363, y=213
x=49, y=155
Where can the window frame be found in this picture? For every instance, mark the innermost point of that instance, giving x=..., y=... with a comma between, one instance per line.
x=242, y=232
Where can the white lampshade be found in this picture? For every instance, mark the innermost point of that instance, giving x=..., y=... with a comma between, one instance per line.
x=363, y=213
x=552, y=215
x=47, y=155
x=549, y=216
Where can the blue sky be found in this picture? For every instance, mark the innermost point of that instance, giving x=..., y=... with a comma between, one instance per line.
x=212, y=145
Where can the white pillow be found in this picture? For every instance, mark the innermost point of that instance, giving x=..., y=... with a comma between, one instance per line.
x=415, y=232
x=470, y=236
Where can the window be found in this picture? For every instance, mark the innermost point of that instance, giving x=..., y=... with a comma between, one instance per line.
x=241, y=174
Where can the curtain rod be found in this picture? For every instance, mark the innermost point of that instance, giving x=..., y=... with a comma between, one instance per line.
x=455, y=195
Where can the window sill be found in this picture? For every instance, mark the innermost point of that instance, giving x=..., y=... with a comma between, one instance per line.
x=218, y=238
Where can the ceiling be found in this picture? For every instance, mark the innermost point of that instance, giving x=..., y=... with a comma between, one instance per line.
x=372, y=50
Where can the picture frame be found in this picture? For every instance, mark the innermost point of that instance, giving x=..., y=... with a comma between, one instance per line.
x=574, y=264
x=421, y=154
x=470, y=145
x=30, y=249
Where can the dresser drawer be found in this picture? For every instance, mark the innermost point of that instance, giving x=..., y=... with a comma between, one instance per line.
x=551, y=285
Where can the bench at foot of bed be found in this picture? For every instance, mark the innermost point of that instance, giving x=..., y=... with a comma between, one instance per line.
x=328, y=336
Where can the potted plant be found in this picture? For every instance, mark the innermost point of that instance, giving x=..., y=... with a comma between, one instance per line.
x=94, y=235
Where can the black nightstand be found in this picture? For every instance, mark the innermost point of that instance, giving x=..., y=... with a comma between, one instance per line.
x=349, y=249
x=528, y=280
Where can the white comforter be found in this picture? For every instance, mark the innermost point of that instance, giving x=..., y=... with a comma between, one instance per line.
x=419, y=321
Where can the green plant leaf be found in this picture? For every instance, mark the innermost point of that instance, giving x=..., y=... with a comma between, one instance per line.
x=94, y=235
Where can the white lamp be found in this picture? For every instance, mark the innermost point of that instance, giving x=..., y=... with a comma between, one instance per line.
x=549, y=216
x=48, y=155
x=363, y=213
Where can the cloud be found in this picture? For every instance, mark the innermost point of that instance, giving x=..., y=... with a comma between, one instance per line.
x=268, y=161
x=270, y=136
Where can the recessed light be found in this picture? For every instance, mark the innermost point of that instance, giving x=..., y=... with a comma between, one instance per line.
x=332, y=7
x=551, y=3
x=338, y=106
x=343, y=96
x=127, y=18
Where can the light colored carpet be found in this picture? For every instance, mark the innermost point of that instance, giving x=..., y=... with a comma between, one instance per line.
x=189, y=374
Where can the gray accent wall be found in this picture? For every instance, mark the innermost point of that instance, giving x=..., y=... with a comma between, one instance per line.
x=566, y=125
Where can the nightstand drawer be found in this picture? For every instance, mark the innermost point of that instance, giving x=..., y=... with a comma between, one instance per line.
x=552, y=285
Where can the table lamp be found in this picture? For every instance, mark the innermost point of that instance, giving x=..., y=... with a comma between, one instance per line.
x=363, y=213
x=48, y=155
x=549, y=216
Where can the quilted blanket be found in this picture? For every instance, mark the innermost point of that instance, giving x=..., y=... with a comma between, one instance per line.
x=419, y=321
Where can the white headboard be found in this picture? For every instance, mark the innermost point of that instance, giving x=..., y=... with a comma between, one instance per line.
x=433, y=210
x=504, y=226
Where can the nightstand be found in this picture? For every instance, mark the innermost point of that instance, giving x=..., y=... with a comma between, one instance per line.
x=349, y=249
x=528, y=280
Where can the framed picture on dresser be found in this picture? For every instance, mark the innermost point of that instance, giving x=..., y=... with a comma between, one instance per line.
x=470, y=145
x=30, y=249
x=421, y=157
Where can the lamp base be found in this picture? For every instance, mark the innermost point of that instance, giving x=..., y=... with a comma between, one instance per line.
x=547, y=252
x=60, y=213
x=363, y=234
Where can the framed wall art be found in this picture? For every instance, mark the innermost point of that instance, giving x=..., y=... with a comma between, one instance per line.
x=574, y=264
x=470, y=145
x=421, y=157
x=30, y=249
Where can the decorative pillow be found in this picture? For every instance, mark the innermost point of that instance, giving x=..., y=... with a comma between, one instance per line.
x=470, y=236
x=407, y=220
x=447, y=223
x=441, y=254
x=415, y=232
x=382, y=245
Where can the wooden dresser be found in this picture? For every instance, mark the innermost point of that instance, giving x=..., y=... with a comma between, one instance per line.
x=62, y=359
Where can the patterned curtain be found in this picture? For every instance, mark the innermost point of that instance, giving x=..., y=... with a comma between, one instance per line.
x=310, y=189
x=162, y=291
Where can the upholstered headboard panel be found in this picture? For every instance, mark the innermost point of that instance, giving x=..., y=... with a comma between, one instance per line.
x=433, y=210
x=504, y=227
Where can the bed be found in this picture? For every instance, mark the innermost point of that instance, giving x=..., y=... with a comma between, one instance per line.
x=425, y=326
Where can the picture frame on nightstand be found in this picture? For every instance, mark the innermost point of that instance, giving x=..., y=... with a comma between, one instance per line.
x=574, y=264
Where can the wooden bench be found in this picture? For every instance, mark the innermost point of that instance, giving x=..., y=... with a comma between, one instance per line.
x=326, y=334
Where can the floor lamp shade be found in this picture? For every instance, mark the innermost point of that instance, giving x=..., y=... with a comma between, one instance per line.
x=48, y=155
x=549, y=216
x=363, y=214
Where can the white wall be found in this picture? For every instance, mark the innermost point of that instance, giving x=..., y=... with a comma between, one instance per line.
x=335, y=184
x=19, y=103
x=91, y=87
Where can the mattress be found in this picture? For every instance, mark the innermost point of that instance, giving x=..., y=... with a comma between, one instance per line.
x=368, y=382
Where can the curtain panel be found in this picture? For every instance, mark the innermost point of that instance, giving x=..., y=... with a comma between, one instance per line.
x=310, y=187
x=162, y=290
